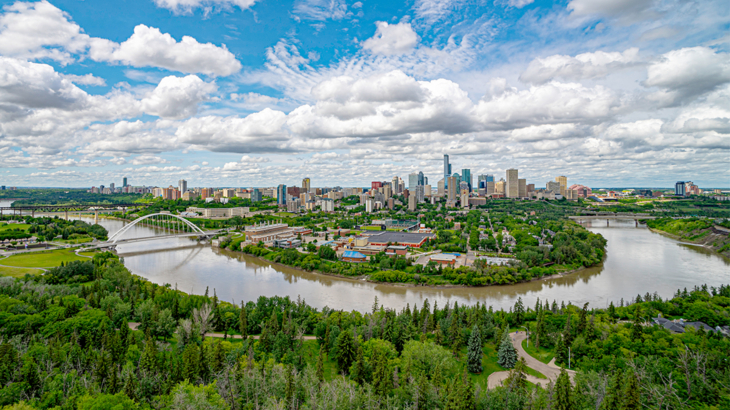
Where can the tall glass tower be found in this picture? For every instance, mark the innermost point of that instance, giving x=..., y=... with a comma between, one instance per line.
x=447, y=171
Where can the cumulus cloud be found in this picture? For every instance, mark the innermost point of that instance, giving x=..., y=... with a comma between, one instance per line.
x=32, y=85
x=86, y=79
x=41, y=30
x=391, y=39
x=147, y=160
x=187, y=6
x=686, y=73
x=177, y=97
x=583, y=66
x=258, y=132
x=626, y=10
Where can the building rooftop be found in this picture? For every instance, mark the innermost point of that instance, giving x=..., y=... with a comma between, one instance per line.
x=353, y=254
x=400, y=237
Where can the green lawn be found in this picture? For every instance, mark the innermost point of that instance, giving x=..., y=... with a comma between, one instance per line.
x=371, y=228
x=18, y=272
x=42, y=259
x=7, y=227
x=541, y=354
x=83, y=239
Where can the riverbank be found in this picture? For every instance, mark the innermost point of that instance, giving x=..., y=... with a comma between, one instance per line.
x=707, y=238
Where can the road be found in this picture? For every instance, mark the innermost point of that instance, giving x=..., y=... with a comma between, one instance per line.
x=135, y=325
x=550, y=370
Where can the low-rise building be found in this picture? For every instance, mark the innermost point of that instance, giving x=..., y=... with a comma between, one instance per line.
x=290, y=243
x=267, y=232
x=354, y=256
x=412, y=240
x=444, y=258
x=219, y=212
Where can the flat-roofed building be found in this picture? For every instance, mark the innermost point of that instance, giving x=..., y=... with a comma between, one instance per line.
x=354, y=257
x=267, y=232
x=219, y=212
x=512, y=188
x=444, y=258
x=413, y=240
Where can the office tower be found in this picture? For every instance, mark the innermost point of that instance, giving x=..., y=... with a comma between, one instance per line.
x=412, y=180
x=499, y=187
x=412, y=201
x=679, y=189
x=306, y=184
x=490, y=187
x=466, y=177
x=281, y=194
x=452, y=188
x=421, y=178
x=481, y=181
x=512, y=186
x=376, y=185
x=425, y=181
x=553, y=186
x=369, y=205
x=447, y=171
x=563, y=181
x=440, y=189
x=396, y=187
x=426, y=190
x=387, y=191
x=522, y=188
x=256, y=195
x=111, y=187
x=458, y=180
x=124, y=182
x=182, y=185
x=419, y=193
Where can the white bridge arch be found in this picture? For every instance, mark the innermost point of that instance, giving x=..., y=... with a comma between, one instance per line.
x=118, y=234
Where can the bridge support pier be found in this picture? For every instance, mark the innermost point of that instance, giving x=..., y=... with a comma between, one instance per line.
x=96, y=216
x=606, y=222
x=67, y=214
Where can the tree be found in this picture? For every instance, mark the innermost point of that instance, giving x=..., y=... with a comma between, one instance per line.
x=563, y=399
x=517, y=379
x=243, y=322
x=561, y=352
x=381, y=376
x=519, y=312
x=187, y=396
x=345, y=351
x=357, y=371
x=320, y=365
x=507, y=355
x=614, y=395
x=637, y=330
x=474, y=353
x=149, y=356
x=631, y=396
x=165, y=326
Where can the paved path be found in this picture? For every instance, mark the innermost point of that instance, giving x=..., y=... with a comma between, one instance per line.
x=550, y=370
x=135, y=325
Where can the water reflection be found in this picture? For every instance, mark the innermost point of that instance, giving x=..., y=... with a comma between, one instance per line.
x=637, y=261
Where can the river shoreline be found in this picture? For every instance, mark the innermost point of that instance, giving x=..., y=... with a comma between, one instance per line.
x=688, y=242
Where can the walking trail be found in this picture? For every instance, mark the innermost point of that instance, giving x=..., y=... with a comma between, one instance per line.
x=550, y=370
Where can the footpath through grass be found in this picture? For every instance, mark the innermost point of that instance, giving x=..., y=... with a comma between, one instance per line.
x=42, y=259
x=541, y=354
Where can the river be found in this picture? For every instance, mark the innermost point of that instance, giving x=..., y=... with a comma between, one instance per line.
x=637, y=261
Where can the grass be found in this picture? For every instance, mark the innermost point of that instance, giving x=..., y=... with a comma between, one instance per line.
x=371, y=228
x=18, y=272
x=541, y=354
x=75, y=241
x=42, y=259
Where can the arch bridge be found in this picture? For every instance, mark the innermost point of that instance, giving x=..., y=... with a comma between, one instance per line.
x=173, y=226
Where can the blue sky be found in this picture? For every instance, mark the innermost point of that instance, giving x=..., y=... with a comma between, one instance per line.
x=256, y=93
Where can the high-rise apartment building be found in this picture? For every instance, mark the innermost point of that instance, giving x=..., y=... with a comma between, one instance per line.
x=679, y=189
x=447, y=171
x=420, y=193
x=452, y=188
x=490, y=189
x=376, y=185
x=553, y=186
x=563, y=181
x=182, y=186
x=412, y=181
x=124, y=182
x=466, y=177
x=512, y=188
x=396, y=187
x=281, y=194
x=522, y=188
x=412, y=203
x=440, y=189
x=306, y=184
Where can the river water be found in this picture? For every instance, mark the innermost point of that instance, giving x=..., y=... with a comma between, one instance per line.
x=637, y=261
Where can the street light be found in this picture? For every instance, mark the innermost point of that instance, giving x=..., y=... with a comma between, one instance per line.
x=527, y=331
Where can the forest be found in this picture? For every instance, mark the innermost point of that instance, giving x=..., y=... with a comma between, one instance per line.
x=89, y=335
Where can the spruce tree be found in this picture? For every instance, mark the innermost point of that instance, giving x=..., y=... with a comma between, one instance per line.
x=357, y=372
x=190, y=363
x=243, y=322
x=468, y=401
x=614, y=395
x=561, y=352
x=218, y=357
x=345, y=351
x=519, y=311
x=563, y=399
x=507, y=355
x=631, y=396
x=474, y=354
x=289, y=390
x=320, y=365
x=381, y=376
x=517, y=379
x=131, y=385
x=567, y=332
x=637, y=331
x=148, y=361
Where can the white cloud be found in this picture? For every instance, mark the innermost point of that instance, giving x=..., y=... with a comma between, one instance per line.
x=320, y=10
x=627, y=10
x=583, y=66
x=391, y=39
x=32, y=85
x=177, y=97
x=519, y=3
x=687, y=73
x=41, y=30
x=148, y=47
x=187, y=6
x=148, y=160
x=86, y=79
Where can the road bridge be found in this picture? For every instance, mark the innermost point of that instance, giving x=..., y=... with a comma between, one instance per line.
x=96, y=208
x=598, y=216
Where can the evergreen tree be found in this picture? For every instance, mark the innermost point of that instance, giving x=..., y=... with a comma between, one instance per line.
x=203, y=366
x=507, y=355
x=131, y=385
x=517, y=379
x=519, y=311
x=148, y=361
x=218, y=357
x=468, y=401
x=357, y=372
x=474, y=354
x=614, y=395
x=190, y=363
x=611, y=311
x=243, y=322
x=29, y=374
x=637, y=330
x=381, y=376
x=320, y=364
x=289, y=390
x=631, y=394
x=582, y=319
x=567, y=332
x=561, y=352
x=563, y=399
x=345, y=351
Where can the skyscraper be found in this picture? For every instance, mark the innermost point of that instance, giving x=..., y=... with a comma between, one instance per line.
x=412, y=181
x=512, y=188
x=306, y=184
x=124, y=182
x=466, y=177
x=281, y=194
x=679, y=189
x=522, y=188
x=421, y=180
x=256, y=195
x=563, y=181
x=453, y=187
x=447, y=171
x=182, y=186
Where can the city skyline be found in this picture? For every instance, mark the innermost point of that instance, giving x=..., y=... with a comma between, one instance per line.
x=237, y=93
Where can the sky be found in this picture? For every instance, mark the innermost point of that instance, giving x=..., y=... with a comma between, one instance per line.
x=243, y=93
